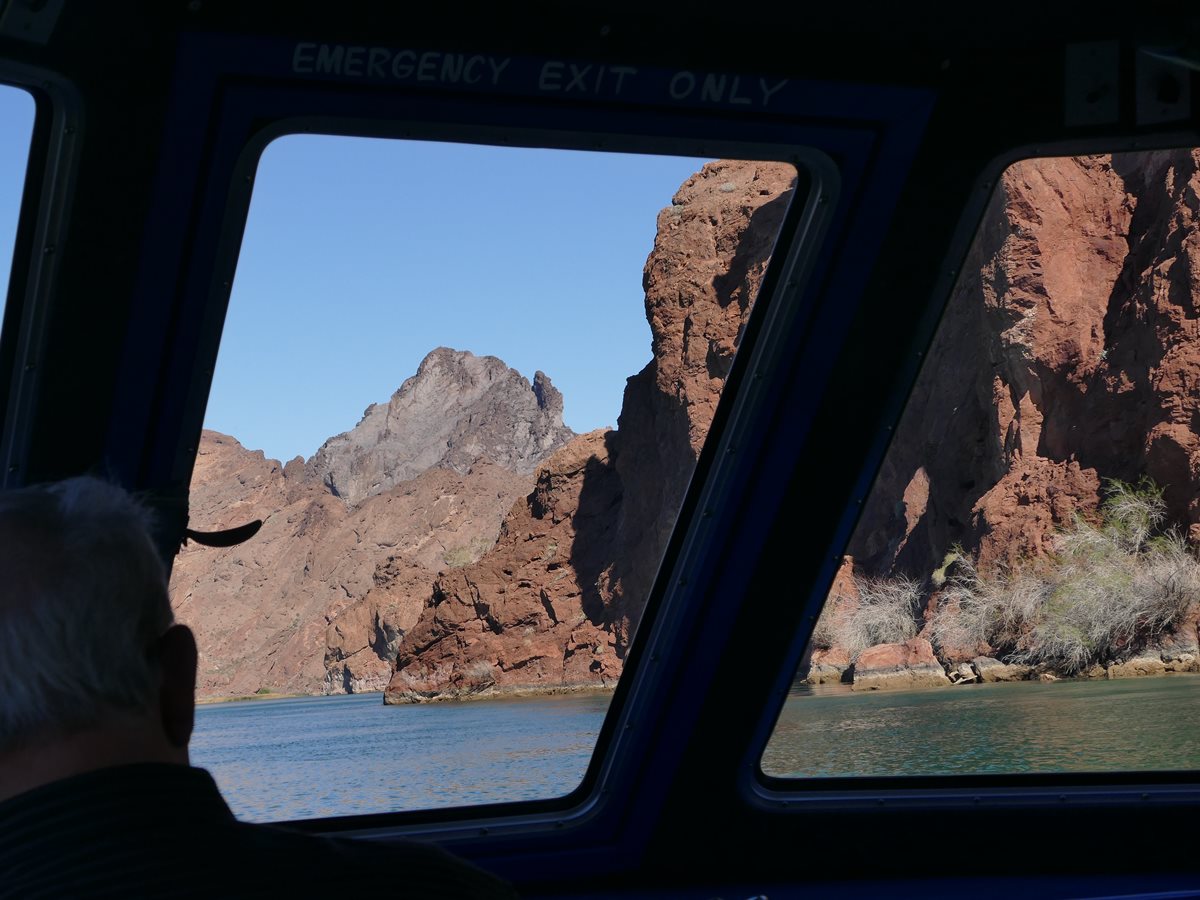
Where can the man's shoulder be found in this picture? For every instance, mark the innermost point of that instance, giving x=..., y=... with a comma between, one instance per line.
x=164, y=831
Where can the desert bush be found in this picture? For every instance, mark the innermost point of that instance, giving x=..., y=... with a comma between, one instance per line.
x=1169, y=580
x=884, y=613
x=995, y=610
x=825, y=633
x=1131, y=515
x=1114, y=585
x=481, y=672
x=458, y=557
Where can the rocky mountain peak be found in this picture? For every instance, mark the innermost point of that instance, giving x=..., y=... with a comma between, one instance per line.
x=549, y=397
x=457, y=408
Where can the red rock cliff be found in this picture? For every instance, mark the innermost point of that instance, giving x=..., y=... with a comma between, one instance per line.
x=556, y=602
x=1069, y=353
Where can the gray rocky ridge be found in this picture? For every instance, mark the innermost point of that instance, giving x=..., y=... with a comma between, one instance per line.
x=352, y=542
x=455, y=409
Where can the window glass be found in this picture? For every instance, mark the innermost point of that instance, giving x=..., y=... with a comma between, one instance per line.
x=1022, y=591
x=16, y=128
x=539, y=339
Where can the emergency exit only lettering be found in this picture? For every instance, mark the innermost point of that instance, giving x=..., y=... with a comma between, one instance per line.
x=558, y=77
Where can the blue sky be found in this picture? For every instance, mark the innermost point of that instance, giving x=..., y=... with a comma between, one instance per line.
x=16, y=127
x=362, y=255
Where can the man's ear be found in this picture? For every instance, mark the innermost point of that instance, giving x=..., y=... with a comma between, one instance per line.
x=177, y=692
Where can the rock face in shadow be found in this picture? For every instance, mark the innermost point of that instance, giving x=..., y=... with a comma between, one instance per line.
x=517, y=617
x=701, y=278
x=554, y=605
x=457, y=408
x=1069, y=353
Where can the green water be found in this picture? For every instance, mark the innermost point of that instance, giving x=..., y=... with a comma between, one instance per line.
x=1136, y=724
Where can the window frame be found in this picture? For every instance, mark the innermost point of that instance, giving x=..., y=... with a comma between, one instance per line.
x=6, y=84
x=937, y=111
x=777, y=307
x=817, y=794
x=867, y=136
x=37, y=252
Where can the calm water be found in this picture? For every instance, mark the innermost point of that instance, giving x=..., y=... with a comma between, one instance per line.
x=325, y=756
x=320, y=756
x=1067, y=726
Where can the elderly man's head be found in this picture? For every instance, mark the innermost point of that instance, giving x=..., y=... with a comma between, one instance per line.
x=92, y=670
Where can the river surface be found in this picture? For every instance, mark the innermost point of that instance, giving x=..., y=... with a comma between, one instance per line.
x=1141, y=724
x=326, y=756
x=323, y=756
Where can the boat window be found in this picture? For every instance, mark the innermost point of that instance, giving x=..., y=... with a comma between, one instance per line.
x=16, y=129
x=465, y=388
x=1022, y=590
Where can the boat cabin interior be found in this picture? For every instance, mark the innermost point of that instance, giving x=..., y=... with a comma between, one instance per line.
x=902, y=124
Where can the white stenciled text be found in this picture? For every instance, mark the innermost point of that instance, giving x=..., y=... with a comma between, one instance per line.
x=551, y=76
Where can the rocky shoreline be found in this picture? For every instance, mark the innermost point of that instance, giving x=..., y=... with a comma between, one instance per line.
x=913, y=664
x=394, y=697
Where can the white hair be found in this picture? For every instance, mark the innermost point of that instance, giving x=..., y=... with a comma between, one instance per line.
x=83, y=601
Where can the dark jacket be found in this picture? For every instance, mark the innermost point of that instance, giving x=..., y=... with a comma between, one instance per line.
x=164, y=831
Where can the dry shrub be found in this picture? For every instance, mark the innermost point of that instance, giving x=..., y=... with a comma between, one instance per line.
x=884, y=613
x=1114, y=587
x=825, y=633
x=996, y=610
x=481, y=672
